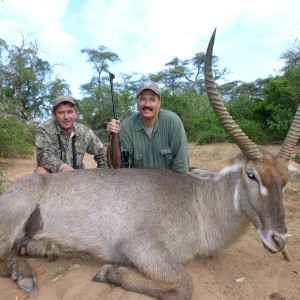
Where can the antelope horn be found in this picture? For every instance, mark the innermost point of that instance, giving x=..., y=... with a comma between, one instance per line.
x=245, y=144
x=291, y=138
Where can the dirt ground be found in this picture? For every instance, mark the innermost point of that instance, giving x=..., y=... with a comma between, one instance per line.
x=243, y=271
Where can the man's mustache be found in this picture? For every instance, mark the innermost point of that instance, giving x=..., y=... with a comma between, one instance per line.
x=147, y=107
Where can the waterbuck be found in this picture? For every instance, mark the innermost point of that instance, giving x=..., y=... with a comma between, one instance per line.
x=145, y=224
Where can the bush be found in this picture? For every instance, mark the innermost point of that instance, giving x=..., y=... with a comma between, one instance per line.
x=297, y=157
x=213, y=135
x=254, y=131
x=2, y=180
x=16, y=138
x=208, y=130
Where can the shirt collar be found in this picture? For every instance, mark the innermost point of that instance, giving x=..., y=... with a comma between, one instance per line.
x=140, y=126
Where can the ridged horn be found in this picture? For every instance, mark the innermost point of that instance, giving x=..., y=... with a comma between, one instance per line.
x=240, y=138
x=291, y=138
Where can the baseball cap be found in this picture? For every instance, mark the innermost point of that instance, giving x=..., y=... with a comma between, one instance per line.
x=61, y=99
x=149, y=85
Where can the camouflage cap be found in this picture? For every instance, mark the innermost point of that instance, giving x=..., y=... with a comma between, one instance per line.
x=149, y=85
x=61, y=99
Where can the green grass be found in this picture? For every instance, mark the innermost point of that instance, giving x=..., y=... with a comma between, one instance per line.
x=63, y=270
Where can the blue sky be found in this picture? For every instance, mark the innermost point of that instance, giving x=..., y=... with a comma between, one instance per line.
x=146, y=34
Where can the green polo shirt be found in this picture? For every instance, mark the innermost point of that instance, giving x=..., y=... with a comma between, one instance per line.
x=166, y=148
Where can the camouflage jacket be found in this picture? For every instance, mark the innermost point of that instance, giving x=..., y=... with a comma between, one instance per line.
x=54, y=151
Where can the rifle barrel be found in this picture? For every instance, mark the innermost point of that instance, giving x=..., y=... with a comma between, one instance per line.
x=115, y=136
x=111, y=78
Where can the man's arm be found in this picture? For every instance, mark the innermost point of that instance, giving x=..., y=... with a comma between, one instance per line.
x=179, y=148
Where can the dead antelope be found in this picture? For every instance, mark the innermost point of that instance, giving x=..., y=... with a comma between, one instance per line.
x=148, y=223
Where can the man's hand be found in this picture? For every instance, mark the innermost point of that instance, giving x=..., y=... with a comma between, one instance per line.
x=67, y=168
x=113, y=126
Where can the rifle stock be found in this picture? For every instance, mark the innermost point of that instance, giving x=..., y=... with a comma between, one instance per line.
x=116, y=151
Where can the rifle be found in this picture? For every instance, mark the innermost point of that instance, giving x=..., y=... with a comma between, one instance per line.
x=115, y=144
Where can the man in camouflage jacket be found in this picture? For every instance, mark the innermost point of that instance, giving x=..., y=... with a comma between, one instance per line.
x=61, y=143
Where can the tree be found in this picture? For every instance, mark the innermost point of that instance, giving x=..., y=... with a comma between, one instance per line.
x=100, y=60
x=235, y=89
x=195, y=72
x=291, y=57
x=26, y=85
x=174, y=75
x=96, y=105
x=16, y=137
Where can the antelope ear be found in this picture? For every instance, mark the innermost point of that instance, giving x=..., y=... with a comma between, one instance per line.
x=294, y=169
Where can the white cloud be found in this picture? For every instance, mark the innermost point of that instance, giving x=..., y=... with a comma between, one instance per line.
x=147, y=34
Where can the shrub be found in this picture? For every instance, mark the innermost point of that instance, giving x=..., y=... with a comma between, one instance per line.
x=16, y=138
x=213, y=135
x=297, y=157
x=254, y=131
x=2, y=180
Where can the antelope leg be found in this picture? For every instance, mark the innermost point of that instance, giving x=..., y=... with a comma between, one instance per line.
x=24, y=275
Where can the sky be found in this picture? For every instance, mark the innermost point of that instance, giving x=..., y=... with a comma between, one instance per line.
x=147, y=34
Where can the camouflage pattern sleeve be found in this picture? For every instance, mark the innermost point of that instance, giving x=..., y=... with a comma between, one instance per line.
x=47, y=148
x=96, y=147
x=101, y=160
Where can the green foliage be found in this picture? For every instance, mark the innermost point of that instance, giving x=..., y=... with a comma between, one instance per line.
x=201, y=123
x=291, y=57
x=264, y=109
x=16, y=138
x=292, y=74
x=188, y=106
x=2, y=180
x=280, y=105
x=63, y=270
x=243, y=111
x=185, y=105
x=26, y=86
x=95, y=114
x=100, y=58
x=96, y=108
x=209, y=130
x=214, y=134
x=254, y=131
x=279, y=122
x=297, y=157
x=242, y=107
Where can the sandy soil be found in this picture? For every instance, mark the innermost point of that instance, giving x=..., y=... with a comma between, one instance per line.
x=245, y=270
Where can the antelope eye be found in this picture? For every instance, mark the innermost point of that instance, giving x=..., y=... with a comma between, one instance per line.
x=251, y=175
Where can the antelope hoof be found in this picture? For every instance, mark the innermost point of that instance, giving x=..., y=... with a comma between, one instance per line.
x=103, y=274
x=28, y=284
x=98, y=277
x=24, y=275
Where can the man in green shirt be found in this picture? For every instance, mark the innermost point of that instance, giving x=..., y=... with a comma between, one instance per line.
x=153, y=137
